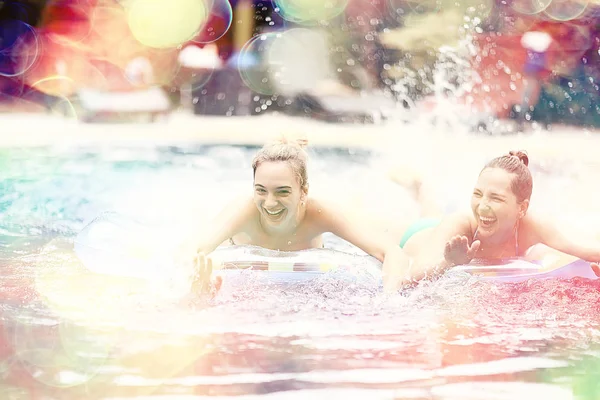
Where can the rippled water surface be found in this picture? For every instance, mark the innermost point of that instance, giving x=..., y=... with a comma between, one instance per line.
x=70, y=334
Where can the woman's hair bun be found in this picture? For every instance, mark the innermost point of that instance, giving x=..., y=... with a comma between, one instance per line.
x=301, y=142
x=521, y=155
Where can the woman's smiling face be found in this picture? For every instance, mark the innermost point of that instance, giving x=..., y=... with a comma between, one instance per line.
x=495, y=206
x=277, y=193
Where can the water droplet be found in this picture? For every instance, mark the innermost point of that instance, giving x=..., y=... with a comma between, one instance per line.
x=289, y=243
x=319, y=210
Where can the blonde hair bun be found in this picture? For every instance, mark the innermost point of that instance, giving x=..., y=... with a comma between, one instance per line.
x=301, y=142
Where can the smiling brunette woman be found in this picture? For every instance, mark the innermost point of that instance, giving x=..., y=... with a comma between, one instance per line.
x=499, y=225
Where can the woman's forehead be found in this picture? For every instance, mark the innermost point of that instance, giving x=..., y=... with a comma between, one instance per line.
x=278, y=173
x=495, y=179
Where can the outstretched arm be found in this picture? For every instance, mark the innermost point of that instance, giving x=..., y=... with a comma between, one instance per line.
x=576, y=244
x=395, y=262
x=227, y=223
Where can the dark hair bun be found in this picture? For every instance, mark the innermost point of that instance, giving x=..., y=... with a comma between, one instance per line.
x=521, y=155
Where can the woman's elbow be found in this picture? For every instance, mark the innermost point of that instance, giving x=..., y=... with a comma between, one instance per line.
x=595, y=256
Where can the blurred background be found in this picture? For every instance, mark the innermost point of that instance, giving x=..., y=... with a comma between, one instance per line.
x=337, y=60
x=401, y=89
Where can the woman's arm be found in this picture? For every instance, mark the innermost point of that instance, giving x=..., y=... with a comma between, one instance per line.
x=227, y=223
x=230, y=221
x=573, y=243
x=395, y=263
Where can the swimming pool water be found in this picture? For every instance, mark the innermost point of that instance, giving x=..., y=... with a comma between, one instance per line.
x=69, y=334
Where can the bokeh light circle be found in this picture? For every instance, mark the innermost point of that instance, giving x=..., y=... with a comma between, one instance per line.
x=197, y=67
x=165, y=23
x=67, y=22
x=566, y=10
x=56, y=85
x=218, y=22
x=64, y=108
x=284, y=62
x=298, y=60
x=309, y=12
x=57, y=353
x=529, y=7
x=19, y=48
x=251, y=62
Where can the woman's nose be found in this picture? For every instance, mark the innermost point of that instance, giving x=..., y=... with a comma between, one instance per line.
x=270, y=201
x=483, y=205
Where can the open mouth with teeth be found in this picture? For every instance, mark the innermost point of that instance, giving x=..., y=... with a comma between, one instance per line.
x=274, y=213
x=486, y=222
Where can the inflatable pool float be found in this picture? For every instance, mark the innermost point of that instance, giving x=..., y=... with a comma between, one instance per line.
x=116, y=246
x=519, y=270
x=295, y=266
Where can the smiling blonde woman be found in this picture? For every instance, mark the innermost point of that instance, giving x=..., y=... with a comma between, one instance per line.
x=281, y=215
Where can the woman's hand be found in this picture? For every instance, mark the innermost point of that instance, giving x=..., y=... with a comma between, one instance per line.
x=458, y=251
x=204, y=282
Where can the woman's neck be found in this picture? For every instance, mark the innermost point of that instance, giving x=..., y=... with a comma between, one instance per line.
x=287, y=229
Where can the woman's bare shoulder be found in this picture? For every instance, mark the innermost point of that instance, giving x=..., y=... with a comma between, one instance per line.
x=320, y=211
x=460, y=223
